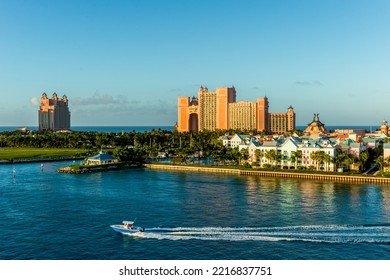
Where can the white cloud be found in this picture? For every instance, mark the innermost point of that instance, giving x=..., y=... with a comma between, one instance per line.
x=309, y=83
x=34, y=101
x=98, y=99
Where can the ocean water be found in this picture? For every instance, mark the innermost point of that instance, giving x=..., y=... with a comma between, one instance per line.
x=47, y=215
x=118, y=129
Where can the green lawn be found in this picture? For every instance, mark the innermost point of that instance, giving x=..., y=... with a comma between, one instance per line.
x=36, y=153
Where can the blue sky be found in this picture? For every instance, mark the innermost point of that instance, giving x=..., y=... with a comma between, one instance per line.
x=115, y=59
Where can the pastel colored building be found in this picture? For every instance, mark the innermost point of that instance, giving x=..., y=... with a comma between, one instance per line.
x=237, y=141
x=356, y=148
x=54, y=113
x=290, y=145
x=219, y=110
x=282, y=122
x=286, y=147
x=316, y=127
x=386, y=157
x=384, y=129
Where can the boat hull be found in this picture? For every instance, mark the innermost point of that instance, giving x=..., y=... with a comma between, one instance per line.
x=124, y=230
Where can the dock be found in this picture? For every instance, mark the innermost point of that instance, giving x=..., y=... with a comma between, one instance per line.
x=306, y=176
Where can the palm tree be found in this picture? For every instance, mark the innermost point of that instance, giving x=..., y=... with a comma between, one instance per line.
x=233, y=155
x=363, y=158
x=259, y=155
x=386, y=162
x=318, y=157
x=295, y=156
x=271, y=155
x=244, y=155
x=339, y=158
x=327, y=160
x=379, y=162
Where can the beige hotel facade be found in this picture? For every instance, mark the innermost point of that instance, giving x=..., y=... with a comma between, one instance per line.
x=220, y=110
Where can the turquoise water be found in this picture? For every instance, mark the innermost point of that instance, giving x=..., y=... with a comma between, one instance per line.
x=46, y=215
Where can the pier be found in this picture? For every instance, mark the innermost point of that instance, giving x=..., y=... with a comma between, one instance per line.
x=306, y=176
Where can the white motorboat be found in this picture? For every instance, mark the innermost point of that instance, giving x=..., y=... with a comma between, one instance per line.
x=127, y=227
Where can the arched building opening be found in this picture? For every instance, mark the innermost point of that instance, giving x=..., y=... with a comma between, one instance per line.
x=193, y=122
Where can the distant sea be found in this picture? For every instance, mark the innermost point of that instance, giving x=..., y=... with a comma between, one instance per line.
x=99, y=128
x=170, y=128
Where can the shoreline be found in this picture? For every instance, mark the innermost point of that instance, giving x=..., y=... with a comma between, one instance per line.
x=308, y=176
x=232, y=171
x=37, y=160
x=82, y=169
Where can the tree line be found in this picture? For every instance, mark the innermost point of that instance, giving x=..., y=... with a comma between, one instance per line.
x=181, y=146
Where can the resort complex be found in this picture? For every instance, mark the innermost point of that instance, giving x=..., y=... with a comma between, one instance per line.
x=220, y=110
x=215, y=127
x=316, y=148
x=54, y=113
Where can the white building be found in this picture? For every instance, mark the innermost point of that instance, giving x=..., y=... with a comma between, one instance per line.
x=290, y=145
x=309, y=147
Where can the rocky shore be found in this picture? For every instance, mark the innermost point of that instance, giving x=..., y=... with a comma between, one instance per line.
x=82, y=169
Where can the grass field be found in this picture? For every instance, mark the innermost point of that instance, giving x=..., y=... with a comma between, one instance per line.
x=36, y=153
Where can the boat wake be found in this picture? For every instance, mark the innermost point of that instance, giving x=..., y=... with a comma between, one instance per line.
x=379, y=234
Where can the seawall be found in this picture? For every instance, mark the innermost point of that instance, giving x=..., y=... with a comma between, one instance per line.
x=34, y=160
x=307, y=176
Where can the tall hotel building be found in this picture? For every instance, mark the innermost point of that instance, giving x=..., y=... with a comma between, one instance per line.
x=219, y=110
x=54, y=113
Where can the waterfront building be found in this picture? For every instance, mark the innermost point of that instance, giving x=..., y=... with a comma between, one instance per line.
x=188, y=114
x=350, y=146
x=266, y=147
x=219, y=110
x=371, y=142
x=386, y=157
x=326, y=146
x=213, y=108
x=54, y=113
x=240, y=141
x=101, y=158
x=242, y=115
x=294, y=152
x=282, y=122
x=252, y=148
x=225, y=140
x=315, y=128
x=356, y=148
x=287, y=148
x=235, y=141
x=386, y=150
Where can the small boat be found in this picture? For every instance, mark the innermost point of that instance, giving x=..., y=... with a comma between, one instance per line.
x=127, y=227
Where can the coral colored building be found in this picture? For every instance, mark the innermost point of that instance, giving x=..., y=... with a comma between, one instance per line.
x=54, y=113
x=219, y=110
